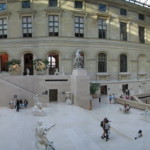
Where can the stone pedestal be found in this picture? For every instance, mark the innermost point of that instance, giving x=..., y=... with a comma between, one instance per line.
x=80, y=87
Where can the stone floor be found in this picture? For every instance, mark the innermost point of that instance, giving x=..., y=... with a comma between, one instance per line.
x=76, y=128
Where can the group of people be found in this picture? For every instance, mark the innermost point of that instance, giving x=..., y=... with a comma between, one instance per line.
x=18, y=104
x=106, y=128
x=126, y=107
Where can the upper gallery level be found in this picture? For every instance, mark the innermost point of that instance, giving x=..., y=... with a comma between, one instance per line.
x=96, y=19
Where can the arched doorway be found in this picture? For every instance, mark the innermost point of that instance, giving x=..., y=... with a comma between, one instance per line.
x=3, y=62
x=53, y=59
x=28, y=63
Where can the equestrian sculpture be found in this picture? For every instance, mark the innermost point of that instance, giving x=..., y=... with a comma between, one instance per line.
x=78, y=60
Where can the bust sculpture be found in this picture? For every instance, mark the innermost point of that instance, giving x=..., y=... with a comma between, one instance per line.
x=42, y=142
x=78, y=60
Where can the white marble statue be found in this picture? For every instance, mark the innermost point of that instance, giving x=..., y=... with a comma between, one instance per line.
x=56, y=72
x=28, y=71
x=68, y=98
x=146, y=112
x=37, y=108
x=62, y=71
x=42, y=143
x=78, y=60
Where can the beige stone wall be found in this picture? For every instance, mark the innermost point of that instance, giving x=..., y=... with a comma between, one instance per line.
x=66, y=44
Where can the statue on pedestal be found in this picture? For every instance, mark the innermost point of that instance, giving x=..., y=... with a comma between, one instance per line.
x=42, y=143
x=68, y=98
x=37, y=109
x=78, y=60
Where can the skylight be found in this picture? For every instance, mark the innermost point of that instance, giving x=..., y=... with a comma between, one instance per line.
x=145, y=3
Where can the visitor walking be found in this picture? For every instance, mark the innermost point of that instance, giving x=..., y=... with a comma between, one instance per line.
x=107, y=129
x=110, y=98
x=102, y=124
x=139, y=135
x=99, y=98
x=25, y=103
x=17, y=105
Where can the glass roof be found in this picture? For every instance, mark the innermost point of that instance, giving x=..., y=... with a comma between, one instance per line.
x=145, y=3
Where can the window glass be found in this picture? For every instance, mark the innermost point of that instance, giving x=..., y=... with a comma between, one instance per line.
x=26, y=4
x=102, y=28
x=123, y=31
x=102, y=62
x=141, y=34
x=78, y=4
x=102, y=7
x=141, y=16
x=53, y=3
x=123, y=12
x=2, y=6
x=79, y=26
x=53, y=25
x=27, y=26
x=123, y=63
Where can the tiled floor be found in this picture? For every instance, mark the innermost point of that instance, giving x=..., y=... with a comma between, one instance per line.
x=76, y=128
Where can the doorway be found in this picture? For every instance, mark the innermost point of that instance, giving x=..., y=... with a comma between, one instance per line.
x=53, y=95
x=3, y=62
x=124, y=87
x=28, y=63
x=104, y=89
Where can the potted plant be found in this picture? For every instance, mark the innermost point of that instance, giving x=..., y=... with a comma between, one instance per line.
x=40, y=65
x=93, y=88
x=14, y=66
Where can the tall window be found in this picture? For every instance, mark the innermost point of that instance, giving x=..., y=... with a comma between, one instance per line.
x=123, y=12
x=27, y=26
x=26, y=4
x=78, y=4
x=123, y=63
x=79, y=26
x=102, y=28
x=102, y=62
x=123, y=31
x=141, y=34
x=2, y=6
x=141, y=17
x=3, y=28
x=102, y=7
x=53, y=25
x=53, y=3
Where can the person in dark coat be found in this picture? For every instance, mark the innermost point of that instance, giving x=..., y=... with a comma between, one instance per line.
x=17, y=105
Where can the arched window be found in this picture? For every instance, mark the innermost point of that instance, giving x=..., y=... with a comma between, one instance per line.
x=28, y=63
x=102, y=62
x=53, y=59
x=123, y=63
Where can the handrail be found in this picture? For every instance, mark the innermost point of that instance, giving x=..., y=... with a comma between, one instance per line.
x=17, y=86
